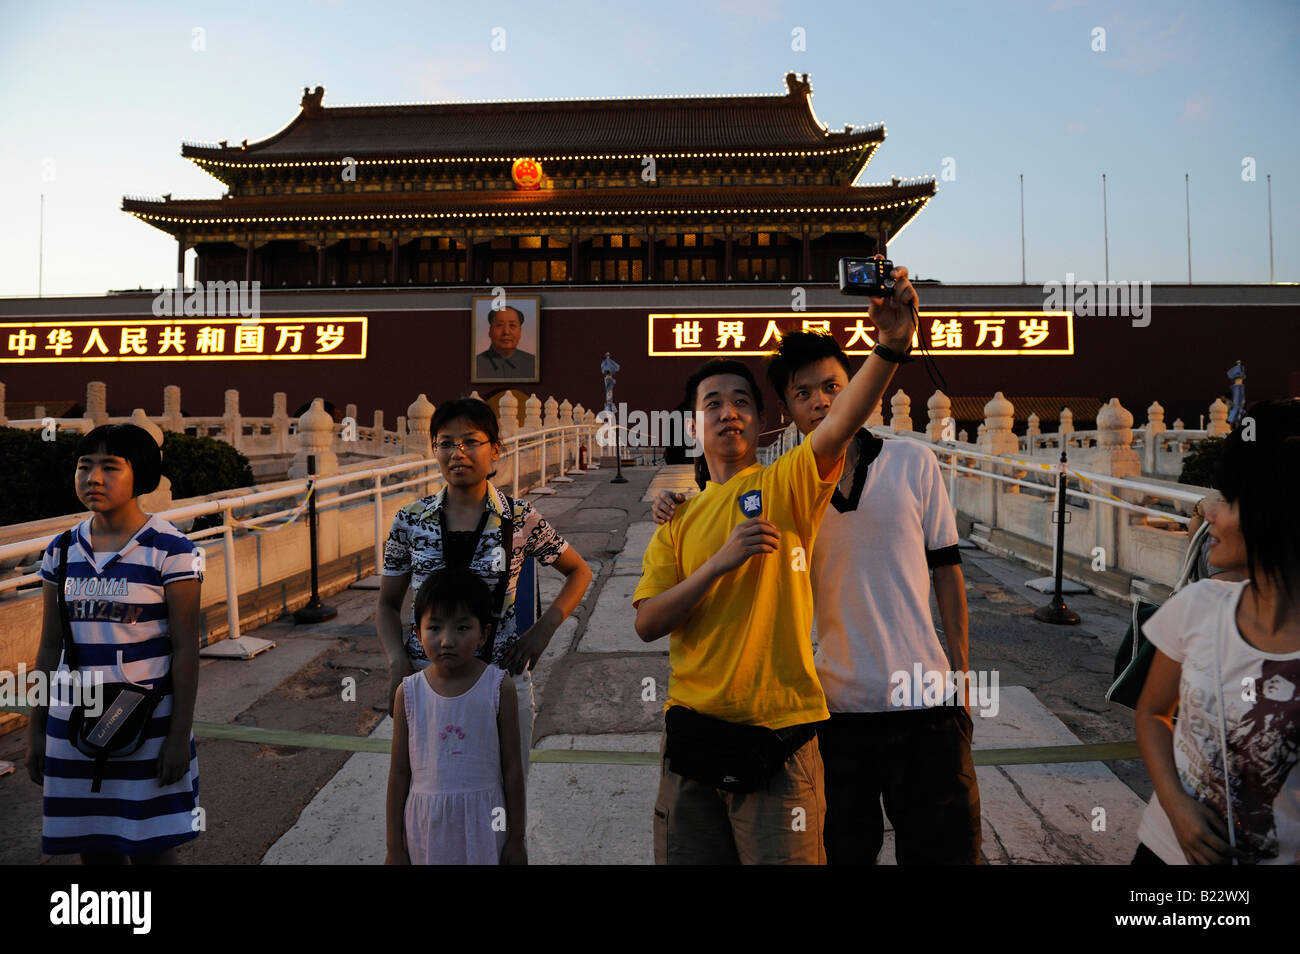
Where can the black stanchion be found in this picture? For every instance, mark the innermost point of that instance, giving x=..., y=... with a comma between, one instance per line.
x=315, y=611
x=1056, y=611
x=618, y=458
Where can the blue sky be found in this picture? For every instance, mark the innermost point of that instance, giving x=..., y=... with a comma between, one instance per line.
x=100, y=97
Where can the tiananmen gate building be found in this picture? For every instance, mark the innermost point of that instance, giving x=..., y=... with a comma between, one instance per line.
x=661, y=230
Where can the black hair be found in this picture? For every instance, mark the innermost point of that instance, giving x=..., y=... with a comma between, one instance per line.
x=451, y=590
x=1257, y=472
x=799, y=349
x=133, y=444
x=477, y=412
x=722, y=366
x=496, y=311
x=707, y=370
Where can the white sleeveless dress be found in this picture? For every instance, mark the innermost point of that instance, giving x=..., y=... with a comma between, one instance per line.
x=455, y=811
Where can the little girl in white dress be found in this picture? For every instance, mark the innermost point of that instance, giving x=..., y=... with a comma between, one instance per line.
x=455, y=780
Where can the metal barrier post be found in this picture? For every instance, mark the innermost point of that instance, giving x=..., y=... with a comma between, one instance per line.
x=315, y=611
x=618, y=457
x=952, y=481
x=379, y=524
x=232, y=584
x=235, y=645
x=1056, y=611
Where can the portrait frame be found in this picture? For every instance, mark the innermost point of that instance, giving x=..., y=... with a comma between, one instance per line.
x=530, y=308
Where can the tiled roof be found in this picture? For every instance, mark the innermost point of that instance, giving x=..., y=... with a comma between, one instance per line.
x=648, y=201
x=636, y=127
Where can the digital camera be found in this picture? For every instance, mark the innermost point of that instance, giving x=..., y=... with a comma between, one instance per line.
x=867, y=276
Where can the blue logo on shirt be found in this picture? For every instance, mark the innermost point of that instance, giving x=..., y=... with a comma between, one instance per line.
x=751, y=503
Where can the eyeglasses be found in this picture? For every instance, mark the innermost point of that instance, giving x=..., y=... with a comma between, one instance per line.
x=469, y=445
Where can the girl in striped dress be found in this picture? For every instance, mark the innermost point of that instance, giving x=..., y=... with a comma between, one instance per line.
x=132, y=595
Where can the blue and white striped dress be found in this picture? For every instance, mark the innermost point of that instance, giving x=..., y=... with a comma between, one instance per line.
x=118, y=609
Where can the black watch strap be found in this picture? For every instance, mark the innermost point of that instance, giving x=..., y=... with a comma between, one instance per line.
x=889, y=354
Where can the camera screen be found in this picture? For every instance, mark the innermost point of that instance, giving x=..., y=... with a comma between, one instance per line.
x=861, y=273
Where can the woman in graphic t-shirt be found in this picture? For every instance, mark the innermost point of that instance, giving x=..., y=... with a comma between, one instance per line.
x=1227, y=786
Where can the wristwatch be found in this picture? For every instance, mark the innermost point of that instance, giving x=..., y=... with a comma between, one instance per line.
x=889, y=354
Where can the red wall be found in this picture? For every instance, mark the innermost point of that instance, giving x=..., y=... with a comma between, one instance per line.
x=1179, y=359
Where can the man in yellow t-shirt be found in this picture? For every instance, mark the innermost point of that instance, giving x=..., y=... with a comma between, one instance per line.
x=741, y=777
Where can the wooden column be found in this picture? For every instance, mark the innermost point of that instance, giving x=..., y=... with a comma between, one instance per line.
x=728, y=261
x=574, y=244
x=882, y=233
x=807, y=256
x=393, y=277
x=650, y=255
x=469, y=257
x=180, y=261
x=248, y=262
x=320, y=263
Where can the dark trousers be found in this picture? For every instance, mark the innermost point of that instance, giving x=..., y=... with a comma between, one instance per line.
x=1145, y=856
x=919, y=762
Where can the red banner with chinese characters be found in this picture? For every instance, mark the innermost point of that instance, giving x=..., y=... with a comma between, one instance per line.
x=184, y=339
x=942, y=332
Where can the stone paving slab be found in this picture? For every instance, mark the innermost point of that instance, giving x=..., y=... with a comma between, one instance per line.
x=593, y=814
x=551, y=582
x=345, y=824
x=610, y=628
x=628, y=561
x=1044, y=814
x=229, y=686
x=599, y=694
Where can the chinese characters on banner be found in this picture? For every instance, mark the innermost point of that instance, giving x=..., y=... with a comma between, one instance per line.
x=941, y=332
x=199, y=339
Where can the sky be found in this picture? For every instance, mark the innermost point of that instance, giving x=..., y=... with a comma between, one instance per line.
x=96, y=99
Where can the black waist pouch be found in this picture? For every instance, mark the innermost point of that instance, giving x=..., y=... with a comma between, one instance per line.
x=728, y=755
x=118, y=730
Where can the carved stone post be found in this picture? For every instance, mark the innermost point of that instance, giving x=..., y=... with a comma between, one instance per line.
x=900, y=410
x=419, y=415
x=938, y=409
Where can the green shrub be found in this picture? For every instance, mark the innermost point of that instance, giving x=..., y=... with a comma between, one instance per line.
x=203, y=465
x=1199, y=464
x=38, y=474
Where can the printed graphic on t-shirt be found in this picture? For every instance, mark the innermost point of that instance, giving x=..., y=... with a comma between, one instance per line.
x=100, y=610
x=1264, y=742
x=1265, y=747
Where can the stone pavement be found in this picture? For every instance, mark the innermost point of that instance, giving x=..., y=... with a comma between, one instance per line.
x=600, y=687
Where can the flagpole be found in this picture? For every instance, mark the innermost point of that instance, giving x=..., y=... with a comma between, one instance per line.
x=1022, y=228
x=1269, y=179
x=1105, y=226
x=40, y=268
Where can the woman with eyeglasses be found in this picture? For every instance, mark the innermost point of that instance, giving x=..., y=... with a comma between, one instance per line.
x=461, y=527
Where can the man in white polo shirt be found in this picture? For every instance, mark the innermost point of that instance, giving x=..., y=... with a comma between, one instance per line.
x=889, y=528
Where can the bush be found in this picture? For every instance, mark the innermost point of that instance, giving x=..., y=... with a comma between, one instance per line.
x=38, y=474
x=1200, y=462
x=203, y=465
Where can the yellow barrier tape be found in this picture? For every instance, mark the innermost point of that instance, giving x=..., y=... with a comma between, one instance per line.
x=226, y=732
x=297, y=512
